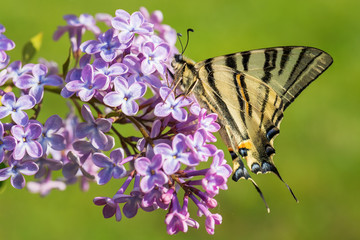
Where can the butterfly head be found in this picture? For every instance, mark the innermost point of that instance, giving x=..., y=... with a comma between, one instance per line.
x=185, y=72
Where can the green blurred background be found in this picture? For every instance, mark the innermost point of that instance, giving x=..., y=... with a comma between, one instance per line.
x=317, y=152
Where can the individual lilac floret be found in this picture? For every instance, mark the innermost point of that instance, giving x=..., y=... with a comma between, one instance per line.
x=155, y=198
x=44, y=187
x=15, y=171
x=71, y=168
x=125, y=96
x=172, y=106
x=216, y=177
x=26, y=138
x=46, y=164
x=37, y=81
x=88, y=84
x=155, y=58
x=107, y=45
x=109, y=70
x=94, y=129
x=76, y=28
x=209, y=124
x=112, y=167
x=15, y=70
x=151, y=172
x=104, y=17
x=52, y=66
x=197, y=144
x=5, y=45
x=85, y=149
x=176, y=154
x=110, y=209
x=111, y=206
x=178, y=219
x=133, y=202
x=49, y=138
x=6, y=143
x=134, y=64
x=16, y=107
x=129, y=25
x=211, y=219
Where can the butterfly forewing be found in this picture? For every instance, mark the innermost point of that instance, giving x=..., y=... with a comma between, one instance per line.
x=287, y=70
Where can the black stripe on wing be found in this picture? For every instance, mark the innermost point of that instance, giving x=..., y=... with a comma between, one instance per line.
x=219, y=101
x=270, y=63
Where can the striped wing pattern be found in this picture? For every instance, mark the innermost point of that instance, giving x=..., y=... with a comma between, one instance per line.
x=250, y=91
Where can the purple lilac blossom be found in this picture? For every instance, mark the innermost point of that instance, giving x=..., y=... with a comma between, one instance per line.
x=125, y=96
x=71, y=168
x=15, y=171
x=111, y=167
x=5, y=45
x=85, y=149
x=130, y=25
x=104, y=17
x=47, y=164
x=171, y=105
x=155, y=57
x=76, y=28
x=178, y=218
x=49, y=138
x=16, y=107
x=155, y=198
x=107, y=45
x=197, y=144
x=151, y=171
x=27, y=140
x=6, y=143
x=109, y=70
x=88, y=84
x=134, y=200
x=137, y=75
x=208, y=122
x=52, y=66
x=164, y=160
x=94, y=129
x=176, y=154
x=37, y=81
x=44, y=187
x=211, y=219
x=15, y=70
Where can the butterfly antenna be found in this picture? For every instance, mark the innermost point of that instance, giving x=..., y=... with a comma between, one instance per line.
x=182, y=48
x=187, y=39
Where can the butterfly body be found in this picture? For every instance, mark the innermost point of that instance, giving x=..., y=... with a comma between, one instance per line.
x=250, y=91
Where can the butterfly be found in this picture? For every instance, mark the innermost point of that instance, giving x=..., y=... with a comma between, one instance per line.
x=250, y=91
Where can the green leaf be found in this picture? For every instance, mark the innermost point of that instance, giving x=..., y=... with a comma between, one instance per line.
x=65, y=66
x=31, y=48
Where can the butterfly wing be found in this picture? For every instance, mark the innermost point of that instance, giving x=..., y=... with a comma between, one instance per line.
x=249, y=91
x=287, y=70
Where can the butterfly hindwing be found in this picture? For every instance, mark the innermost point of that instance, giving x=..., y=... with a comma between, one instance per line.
x=248, y=109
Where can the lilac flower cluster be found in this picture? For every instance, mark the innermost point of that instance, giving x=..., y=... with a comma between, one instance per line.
x=120, y=78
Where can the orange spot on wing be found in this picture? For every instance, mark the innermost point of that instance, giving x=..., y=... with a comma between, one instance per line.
x=246, y=144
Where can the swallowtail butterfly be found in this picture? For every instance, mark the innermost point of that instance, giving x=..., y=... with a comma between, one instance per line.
x=249, y=91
